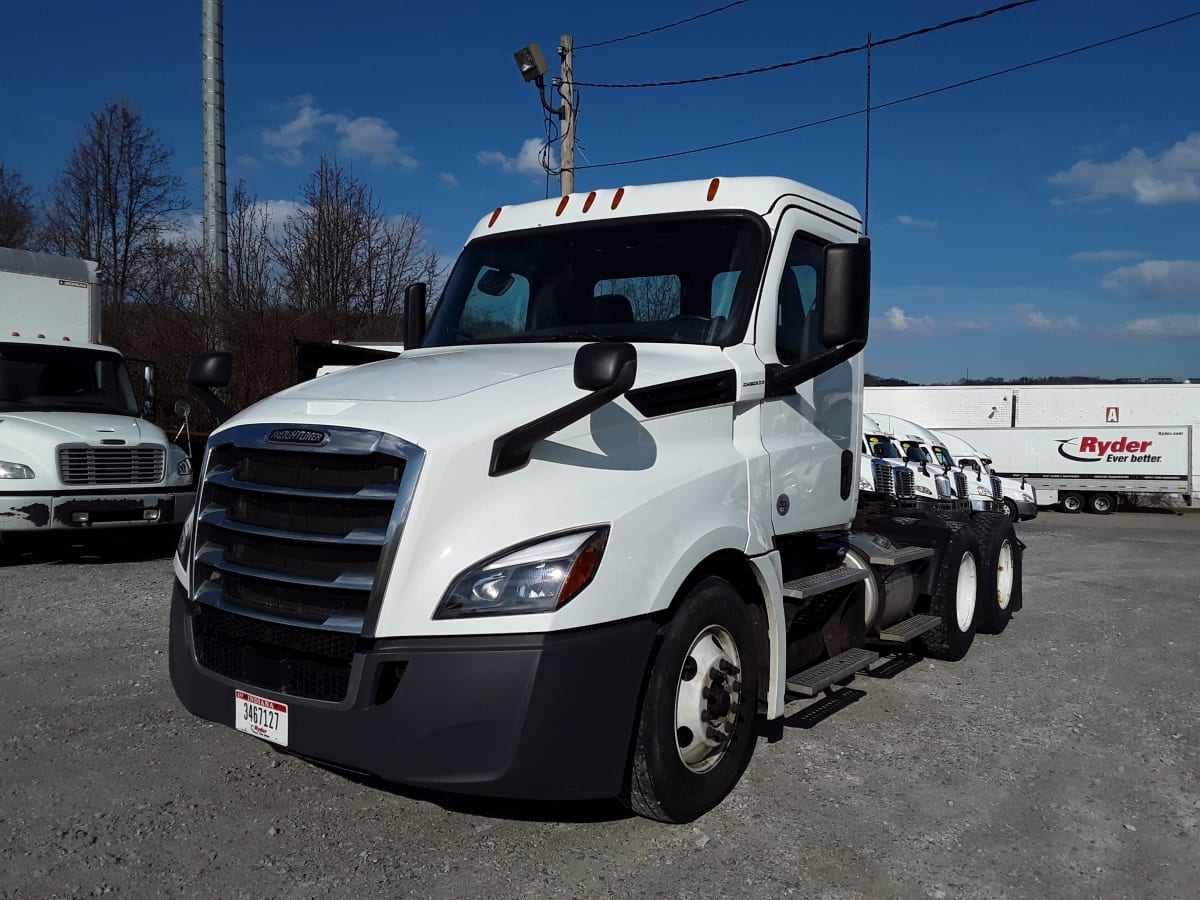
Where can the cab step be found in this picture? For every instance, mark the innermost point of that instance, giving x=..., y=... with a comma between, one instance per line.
x=907, y=629
x=899, y=556
x=811, y=585
x=817, y=678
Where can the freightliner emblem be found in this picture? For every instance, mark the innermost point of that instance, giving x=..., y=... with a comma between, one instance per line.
x=297, y=436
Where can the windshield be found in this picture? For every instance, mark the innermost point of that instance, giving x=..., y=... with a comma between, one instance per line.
x=882, y=447
x=914, y=452
x=943, y=455
x=687, y=280
x=54, y=378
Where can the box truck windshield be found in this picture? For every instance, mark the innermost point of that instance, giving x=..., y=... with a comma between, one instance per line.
x=57, y=378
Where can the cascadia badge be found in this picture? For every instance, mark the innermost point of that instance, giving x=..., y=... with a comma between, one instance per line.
x=297, y=436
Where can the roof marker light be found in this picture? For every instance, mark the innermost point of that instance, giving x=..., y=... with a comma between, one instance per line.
x=712, y=188
x=41, y=337
x=591, y=198
x=617, y=197
x=495, y=216
x=562, y=204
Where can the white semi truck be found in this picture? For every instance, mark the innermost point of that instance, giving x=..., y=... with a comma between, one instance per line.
x=598, y=518
x=1031, y=431
x=77, y=449
x=1019, y=496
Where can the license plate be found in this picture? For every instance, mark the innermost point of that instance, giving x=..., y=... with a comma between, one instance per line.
x=261, y=717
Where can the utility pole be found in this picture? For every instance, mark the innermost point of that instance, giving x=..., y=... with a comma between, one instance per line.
x=566, y=89
x=216, y=240
x=867, y=168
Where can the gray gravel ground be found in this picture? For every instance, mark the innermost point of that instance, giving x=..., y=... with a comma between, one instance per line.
x=1058, y=760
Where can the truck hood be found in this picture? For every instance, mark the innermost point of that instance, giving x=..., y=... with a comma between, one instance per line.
x=441, y=396
x=23, y=429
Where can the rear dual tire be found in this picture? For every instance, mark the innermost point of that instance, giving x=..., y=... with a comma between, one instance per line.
x=1000, y=573
x=955, y=597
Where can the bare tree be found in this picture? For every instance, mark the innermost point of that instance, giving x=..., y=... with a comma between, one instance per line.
x=115, y=198
x=253, y=280
x=18, y=220
x=344, y=264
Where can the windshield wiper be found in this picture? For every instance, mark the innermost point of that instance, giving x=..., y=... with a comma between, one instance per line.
x=581, y=336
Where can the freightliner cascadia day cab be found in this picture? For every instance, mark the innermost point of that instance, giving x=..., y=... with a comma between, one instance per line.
x=1020, y=497
x=76, y=448
x=598, y=517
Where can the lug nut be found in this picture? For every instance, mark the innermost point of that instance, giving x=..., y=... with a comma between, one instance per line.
x=714, y=735
x=704, y=716
x=728, y=668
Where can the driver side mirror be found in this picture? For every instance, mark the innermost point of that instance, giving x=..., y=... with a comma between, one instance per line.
x=208, y=371
x=846, y=294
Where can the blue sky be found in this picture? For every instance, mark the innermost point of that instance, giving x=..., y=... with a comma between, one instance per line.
x=1047, y=222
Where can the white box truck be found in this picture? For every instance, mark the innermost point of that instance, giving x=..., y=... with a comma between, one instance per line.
x=1030, y=431
x=76, y=448
x=589, y=526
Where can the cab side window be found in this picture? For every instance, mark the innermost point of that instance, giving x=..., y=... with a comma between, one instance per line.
x=797, y=327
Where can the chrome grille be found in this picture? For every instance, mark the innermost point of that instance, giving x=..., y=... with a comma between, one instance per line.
x=997, y=490
x=297, y=536
x=961, y=486
x=905, y=482
x=111, y=465
x=884, y=483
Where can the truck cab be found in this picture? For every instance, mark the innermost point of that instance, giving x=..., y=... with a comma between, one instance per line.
x=1019, y=497
x=77, y=447
x=599, y=516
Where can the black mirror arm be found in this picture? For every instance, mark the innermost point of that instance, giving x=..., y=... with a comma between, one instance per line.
x=219, y=409
x=782, y=380
x=512, y=449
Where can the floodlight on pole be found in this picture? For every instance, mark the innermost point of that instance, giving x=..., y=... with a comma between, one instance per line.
x=531, y=62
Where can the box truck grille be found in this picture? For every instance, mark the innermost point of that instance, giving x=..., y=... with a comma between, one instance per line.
x=997, y=490
x=293, y=545
x=111, y=465
x=905, y=482
x=884, y=482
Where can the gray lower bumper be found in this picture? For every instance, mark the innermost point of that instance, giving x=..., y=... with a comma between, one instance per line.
x=53, y=511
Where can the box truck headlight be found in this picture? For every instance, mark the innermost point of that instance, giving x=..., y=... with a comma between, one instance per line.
x=14, y=470
x=184, y=467
x=539, y=577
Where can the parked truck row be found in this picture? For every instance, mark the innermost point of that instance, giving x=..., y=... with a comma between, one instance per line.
x=614, y=503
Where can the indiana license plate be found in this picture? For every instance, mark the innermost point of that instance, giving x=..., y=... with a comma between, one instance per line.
x=261, y=717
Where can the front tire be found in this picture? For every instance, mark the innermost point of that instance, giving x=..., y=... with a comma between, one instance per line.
x=955, y=598
x=694, y=732
x=1010, y=510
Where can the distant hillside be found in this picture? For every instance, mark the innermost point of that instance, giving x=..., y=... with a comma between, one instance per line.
x=879, y=381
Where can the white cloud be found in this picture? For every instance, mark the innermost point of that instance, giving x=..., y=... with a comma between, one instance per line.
x=1187, y=325
x=914, y=222
x=448, y=178
x=365, y=137
x=527, y=161
x=1088, y=256
x=1158, y=279
x=1171, y=177
x=1032, y=317
x=896, y=321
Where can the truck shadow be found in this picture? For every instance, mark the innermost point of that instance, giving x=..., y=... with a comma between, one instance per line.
x=95, y=548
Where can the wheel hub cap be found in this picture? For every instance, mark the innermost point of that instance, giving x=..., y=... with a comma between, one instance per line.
x=709, y=700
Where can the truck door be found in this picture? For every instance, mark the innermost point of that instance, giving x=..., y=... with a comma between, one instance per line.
x=810, y=434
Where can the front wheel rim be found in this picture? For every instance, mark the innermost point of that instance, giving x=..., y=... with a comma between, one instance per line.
x=966, y=592
x=708, y=700
x=1004, y=575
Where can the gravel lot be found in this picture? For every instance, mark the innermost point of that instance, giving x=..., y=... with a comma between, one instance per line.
x=1058, y=760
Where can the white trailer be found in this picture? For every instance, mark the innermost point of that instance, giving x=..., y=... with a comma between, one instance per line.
x=1016, y=417
x=76, y=447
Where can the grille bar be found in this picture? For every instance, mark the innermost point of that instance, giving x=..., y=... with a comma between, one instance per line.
x=215, y=557
x=367, y=492
x=111, y=465
x=220, y=517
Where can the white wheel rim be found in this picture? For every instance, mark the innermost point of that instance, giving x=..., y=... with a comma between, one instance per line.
x=709, y=698
x=1101, y=504
x=1072, y=503
x=1004, y=575
x=968, y=584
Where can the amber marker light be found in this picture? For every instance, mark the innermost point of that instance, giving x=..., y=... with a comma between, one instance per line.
x=617, y=197
x=591, y=198
x=562, y=204
x=584, y=569
x=712, y=188
x=495, y=216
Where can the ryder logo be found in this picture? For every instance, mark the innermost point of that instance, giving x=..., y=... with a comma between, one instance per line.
x=1091, y=449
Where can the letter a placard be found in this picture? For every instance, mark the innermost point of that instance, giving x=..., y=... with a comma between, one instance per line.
x=1112, y=414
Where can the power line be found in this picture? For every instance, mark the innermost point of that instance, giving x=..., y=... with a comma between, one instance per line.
x=929, y=29
x=638, y=34
x=908, y=99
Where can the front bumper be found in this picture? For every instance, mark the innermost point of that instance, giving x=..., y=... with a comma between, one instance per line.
x=537, y=716
x=56, y=510
x=1026, y=509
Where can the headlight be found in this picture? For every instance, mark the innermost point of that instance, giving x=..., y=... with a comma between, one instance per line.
x=14, y=470
x=921, y=489
x=539, y=577
x=184, y=467
x=864, y=485
x=185, y=540
x=1026, y=498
